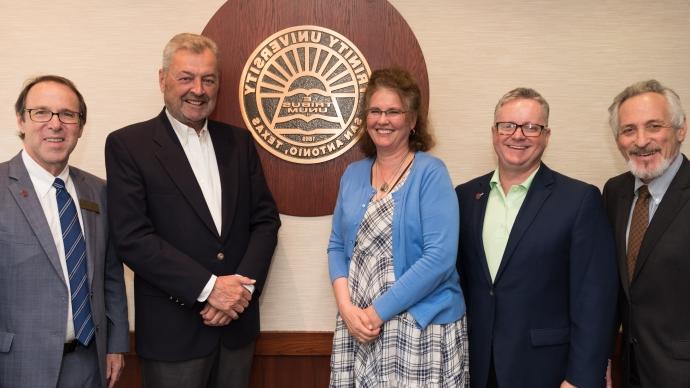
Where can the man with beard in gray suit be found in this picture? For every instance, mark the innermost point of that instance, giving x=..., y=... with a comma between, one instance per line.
x=63, y=309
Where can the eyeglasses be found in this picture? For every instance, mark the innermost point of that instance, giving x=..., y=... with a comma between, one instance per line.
x=44, y=115
x=528, y=129
x=392, y=114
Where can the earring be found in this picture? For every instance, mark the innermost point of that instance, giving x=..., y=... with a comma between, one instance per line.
x=412, y=132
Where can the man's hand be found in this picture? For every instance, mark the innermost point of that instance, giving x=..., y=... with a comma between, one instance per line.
x=229, y=295
x=214, y=317
x=609, y=379
x=114, y=364
x=566, y=384
x=358, y=323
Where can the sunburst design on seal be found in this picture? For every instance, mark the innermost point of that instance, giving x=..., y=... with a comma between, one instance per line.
x=300, y=91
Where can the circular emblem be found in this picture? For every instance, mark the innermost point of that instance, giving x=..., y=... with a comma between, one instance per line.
x=299, y=94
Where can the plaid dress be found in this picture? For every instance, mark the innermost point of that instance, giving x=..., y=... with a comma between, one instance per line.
x=403, y=355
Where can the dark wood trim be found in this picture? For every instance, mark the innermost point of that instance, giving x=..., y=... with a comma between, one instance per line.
x=285, y=343
x=286, y=359
x=282, y=359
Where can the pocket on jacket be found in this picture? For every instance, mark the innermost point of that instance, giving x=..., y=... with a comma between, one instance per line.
x=681, y=349
x=6, y=341
x=546, y=337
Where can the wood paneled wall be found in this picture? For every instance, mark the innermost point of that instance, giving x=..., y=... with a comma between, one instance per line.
x=281, y=360
x=289, y=360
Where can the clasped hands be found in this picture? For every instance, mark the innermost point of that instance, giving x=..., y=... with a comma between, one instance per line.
x=227, y=300
x=363, y=324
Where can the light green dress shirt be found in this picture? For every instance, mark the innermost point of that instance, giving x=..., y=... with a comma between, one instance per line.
x=501, y=211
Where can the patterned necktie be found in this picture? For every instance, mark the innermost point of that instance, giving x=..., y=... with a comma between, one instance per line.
x=638, y=227
x=75, y=256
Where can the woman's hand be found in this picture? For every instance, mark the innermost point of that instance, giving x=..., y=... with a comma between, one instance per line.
x=358, y=323
x=373, y=316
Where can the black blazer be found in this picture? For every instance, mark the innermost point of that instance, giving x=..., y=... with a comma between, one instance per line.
x=549, y=315
x=655, y=306
x=164, y=232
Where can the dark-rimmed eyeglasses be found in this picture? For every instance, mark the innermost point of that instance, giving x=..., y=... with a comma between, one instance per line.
x=528, y=129
x=40, y=115
x=392, y=114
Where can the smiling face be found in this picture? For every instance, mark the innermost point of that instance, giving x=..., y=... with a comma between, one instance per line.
x=645, y=136
x=50, y=143
x=390, y=135
x=190, y=86
x=518, y=154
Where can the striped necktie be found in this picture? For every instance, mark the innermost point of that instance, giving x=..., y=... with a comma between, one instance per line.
x=75, y=256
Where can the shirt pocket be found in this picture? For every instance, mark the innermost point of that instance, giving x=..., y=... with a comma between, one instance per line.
x=6, y=341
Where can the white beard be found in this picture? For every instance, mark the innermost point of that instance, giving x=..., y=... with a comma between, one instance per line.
x=648, y=173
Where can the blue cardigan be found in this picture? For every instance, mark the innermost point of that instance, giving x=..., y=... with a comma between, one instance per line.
x=425, y=240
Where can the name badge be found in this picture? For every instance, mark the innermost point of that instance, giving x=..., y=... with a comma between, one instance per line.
x=90, y=206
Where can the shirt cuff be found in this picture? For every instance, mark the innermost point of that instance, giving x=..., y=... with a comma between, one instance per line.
x=249, y=287
x=207, y=289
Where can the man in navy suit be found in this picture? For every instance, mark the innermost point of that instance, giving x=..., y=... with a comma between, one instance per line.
x=192, y=216
x=537, y=262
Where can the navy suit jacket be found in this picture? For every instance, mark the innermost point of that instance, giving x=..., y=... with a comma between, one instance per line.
x=654, y=306
x=164, y=231
x=549, y=315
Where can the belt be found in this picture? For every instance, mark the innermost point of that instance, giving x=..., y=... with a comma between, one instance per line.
x=70, y=347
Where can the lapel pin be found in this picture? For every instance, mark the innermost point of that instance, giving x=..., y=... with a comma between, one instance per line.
x=478, y=196
x=24, y=193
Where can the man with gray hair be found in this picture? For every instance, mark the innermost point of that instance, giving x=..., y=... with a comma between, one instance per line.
x=649, y=208
x=192, y=215
x=536, y=261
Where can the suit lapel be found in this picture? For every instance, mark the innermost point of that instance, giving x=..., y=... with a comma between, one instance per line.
x=539, y=191
x=22, y=189
x=481, y=199
x=227, y=169
x=624, y=195
x=173, y=159
x=85, y=191
x=676, y=196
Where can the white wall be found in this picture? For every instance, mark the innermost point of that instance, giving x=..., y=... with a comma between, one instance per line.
x=577, y=54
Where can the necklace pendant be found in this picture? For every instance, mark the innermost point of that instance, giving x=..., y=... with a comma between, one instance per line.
x=384, y=187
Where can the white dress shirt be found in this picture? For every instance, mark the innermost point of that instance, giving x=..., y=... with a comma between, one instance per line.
x=42, y=181
x=201, y=155
x=198, y=147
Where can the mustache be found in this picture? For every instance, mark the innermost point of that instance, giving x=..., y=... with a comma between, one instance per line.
x=637, y=151
x=198, y=97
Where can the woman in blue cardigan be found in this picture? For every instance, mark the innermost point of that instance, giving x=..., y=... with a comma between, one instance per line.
x=392, y=253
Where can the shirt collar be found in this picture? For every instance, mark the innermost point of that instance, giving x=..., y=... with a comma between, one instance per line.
x=42, y=179
x=183, y=131
x=495, y=179
x=658, y=186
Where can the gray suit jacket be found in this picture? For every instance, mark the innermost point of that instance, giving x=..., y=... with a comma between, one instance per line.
x=33, y=291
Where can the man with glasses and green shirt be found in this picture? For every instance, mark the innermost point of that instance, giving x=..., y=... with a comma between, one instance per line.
x=537, y=263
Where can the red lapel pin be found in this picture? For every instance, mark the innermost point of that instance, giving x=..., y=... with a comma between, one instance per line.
x=24, y=193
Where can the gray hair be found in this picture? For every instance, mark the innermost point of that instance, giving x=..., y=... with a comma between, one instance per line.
x=526, y=94
x=650, y=86
x=187, y=41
